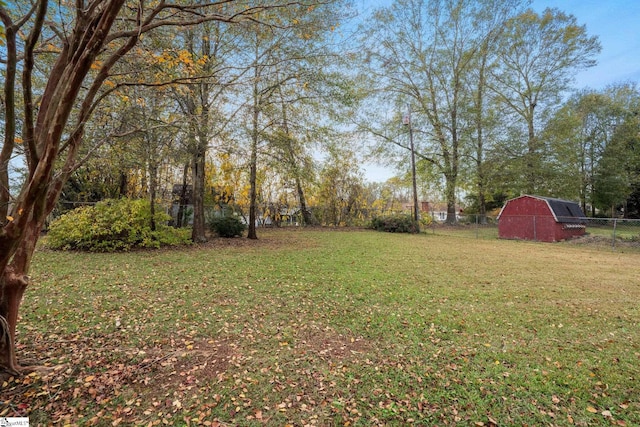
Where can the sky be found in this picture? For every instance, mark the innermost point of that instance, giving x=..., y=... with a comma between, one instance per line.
x=617, y=25
x=615, y=22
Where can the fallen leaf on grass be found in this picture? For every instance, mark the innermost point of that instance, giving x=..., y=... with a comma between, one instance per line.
x=592, y=409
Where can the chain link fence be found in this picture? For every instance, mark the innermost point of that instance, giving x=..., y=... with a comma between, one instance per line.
x=609, y=233
x=613, y=232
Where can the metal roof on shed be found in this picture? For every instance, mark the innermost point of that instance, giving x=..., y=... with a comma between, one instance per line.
x=564, y=210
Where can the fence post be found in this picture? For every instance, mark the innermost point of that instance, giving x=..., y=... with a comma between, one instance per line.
x=613, y=243
x=477, y=217
x=535, y=232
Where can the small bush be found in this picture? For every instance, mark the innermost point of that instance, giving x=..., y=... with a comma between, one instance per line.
x=227, y=226
x=395, y=224
x=426, y=220
x=113, y=225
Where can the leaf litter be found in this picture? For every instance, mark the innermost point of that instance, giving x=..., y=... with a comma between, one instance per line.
x=268, y=347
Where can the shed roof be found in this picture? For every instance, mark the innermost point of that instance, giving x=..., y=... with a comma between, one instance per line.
x=564, y=211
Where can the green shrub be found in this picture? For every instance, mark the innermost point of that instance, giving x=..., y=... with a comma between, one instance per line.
x=113, y=225
x=226, y=226
x=426, y=220
x=395, y=224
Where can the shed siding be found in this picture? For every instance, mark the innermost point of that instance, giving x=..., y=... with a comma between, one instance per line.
x=531, y=218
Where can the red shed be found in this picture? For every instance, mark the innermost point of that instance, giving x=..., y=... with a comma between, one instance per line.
x=540, y=218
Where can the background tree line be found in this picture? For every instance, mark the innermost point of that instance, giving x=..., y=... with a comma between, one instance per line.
x=242, y=113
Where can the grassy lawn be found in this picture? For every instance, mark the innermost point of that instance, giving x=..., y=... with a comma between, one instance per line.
x=333, y=328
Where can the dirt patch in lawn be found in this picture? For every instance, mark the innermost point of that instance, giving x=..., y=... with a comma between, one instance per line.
x=200, y=361
x=327, y=344
x=602, y=241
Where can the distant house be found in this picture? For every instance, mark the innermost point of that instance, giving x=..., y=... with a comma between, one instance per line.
x=423, y=206
x=438, y=211
x=542, y=219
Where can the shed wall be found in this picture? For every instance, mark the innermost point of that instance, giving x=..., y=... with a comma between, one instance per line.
x=529, y=218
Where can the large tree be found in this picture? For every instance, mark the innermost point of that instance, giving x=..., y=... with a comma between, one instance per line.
x=483, y=111
x=74, y=53
x=577, y=135
x=341, y=189
x=425, y=54
x=592, y=147
x=150, y=135
x=208, y=49
x=617, y=175
x=537, y=58
x=282, y=70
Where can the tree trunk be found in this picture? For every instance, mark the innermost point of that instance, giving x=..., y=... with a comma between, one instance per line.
x=9, y=130
x=198, y=233
x=253, y=162
x=482, y=204
x=532, y=167
x=123, y=187
x=450, y=195
x=307, y=216
x=180, y=220
x=13, y=284
x=479, y=119
x=253, y=172
x=153, y=179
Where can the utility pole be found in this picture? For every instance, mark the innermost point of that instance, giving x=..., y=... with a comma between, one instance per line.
x=407, y=121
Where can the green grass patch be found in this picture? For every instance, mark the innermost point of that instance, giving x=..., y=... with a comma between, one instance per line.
x=625, y=232
x=333, y=328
